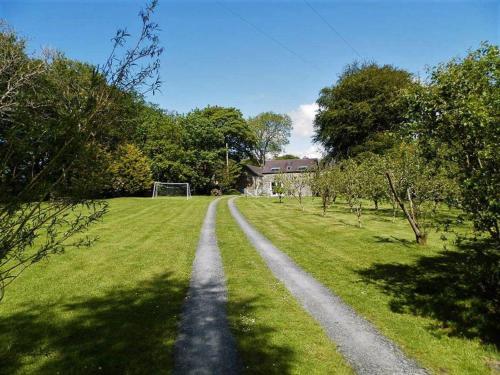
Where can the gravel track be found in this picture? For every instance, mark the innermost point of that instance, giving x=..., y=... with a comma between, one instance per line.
x=205, y=344
x=367, y=351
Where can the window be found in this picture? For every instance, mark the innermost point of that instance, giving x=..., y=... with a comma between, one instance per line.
x=302, y=168
x=289, y=168
x=275, y=169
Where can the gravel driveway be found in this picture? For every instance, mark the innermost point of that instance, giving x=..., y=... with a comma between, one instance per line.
x=367, y=351
x=205, y=344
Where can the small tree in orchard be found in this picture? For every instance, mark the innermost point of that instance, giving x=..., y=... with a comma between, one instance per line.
x=325, y=183
x=353, y=185
x=415, y=186
x=295, y=185
x=279, y=186
x=376, y=185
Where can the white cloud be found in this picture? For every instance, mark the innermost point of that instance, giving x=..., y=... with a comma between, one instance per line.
x=303, y=119
x=313, y=151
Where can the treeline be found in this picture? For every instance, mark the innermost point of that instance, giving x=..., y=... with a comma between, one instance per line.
x=390, y=137
x=72, y=133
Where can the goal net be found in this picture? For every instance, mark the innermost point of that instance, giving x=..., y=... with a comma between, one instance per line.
x=171, y=189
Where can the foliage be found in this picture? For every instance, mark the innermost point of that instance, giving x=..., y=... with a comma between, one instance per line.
x=272, y=133
x=192, y=147
x=326, y=183
x=362, y=107
x=130, y=172
x=58, y=119
x=295, y=185
x=227, y=175
x=373, y=173
x=286, y=157
x=417, y=186
x=455, y=118
x=353, y=186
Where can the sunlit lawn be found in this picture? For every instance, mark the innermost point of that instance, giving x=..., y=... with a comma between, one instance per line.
x=418, y=296
x=111, y=308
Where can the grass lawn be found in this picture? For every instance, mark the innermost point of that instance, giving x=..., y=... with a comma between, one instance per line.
x=111, y=308
x=415, y=295
x=274, y=334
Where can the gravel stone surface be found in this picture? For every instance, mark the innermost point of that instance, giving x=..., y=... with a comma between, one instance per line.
x=366, y=350
x=205, y=344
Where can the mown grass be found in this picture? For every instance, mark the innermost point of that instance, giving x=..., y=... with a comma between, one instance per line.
x=417, y=296
x=274, y=334
x=111, y=308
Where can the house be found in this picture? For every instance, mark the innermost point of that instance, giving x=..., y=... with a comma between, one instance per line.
x=261, y=180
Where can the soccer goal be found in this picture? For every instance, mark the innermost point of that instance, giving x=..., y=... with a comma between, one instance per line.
x=171, y=189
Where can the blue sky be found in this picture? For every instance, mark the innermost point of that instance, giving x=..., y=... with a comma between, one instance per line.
x=263, y=55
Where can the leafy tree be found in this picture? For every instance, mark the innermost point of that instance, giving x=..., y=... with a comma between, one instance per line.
x=373, y=166
x=57, y=118
x=415, y=185
x=238, y=135
x=455, y=117
x=129, y=171
x=279, y=186
x=227, y=175
x=353, y=186
x=325, y=182
x=286, y=157
x=363, y=107
x=295, y=185
x=272, y=132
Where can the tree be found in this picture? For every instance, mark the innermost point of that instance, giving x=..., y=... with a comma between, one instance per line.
x=353, y=186
x=130, y=171
x=279, y=186
x=295, y=185
x=373, y=166
x=272, y=132
x=455, y=118
x=227, y=175
x=286, y=157
x=325, y=182
x=56, y=118
x=363, y=107
x=415, y=185
x=238, y=135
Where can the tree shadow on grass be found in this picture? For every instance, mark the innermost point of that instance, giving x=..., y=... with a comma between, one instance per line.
x=255, y=345
x=124, y=331
x=393, y=239
x=460, y=289
x=128, y=330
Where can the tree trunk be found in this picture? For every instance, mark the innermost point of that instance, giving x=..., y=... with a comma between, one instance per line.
x=420, y=237
x=375, y=201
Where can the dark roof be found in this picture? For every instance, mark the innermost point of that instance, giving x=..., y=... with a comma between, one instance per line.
x=289, y=165
x=257, y=171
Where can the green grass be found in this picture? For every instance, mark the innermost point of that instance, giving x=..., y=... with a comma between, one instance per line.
x=111, y=308
x=274, y=334
x=417, y=296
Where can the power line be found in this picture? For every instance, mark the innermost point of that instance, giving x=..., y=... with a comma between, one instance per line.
x=333, y=28
x=268, y=36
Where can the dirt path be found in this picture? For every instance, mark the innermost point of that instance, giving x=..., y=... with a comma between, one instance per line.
x=205, y=344
x=362, y=345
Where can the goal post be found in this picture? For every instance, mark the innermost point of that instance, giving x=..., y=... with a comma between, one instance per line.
x=171, y=189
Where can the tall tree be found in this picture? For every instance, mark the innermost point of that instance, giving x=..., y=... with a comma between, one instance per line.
x=272, y=133
x=362, y=108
